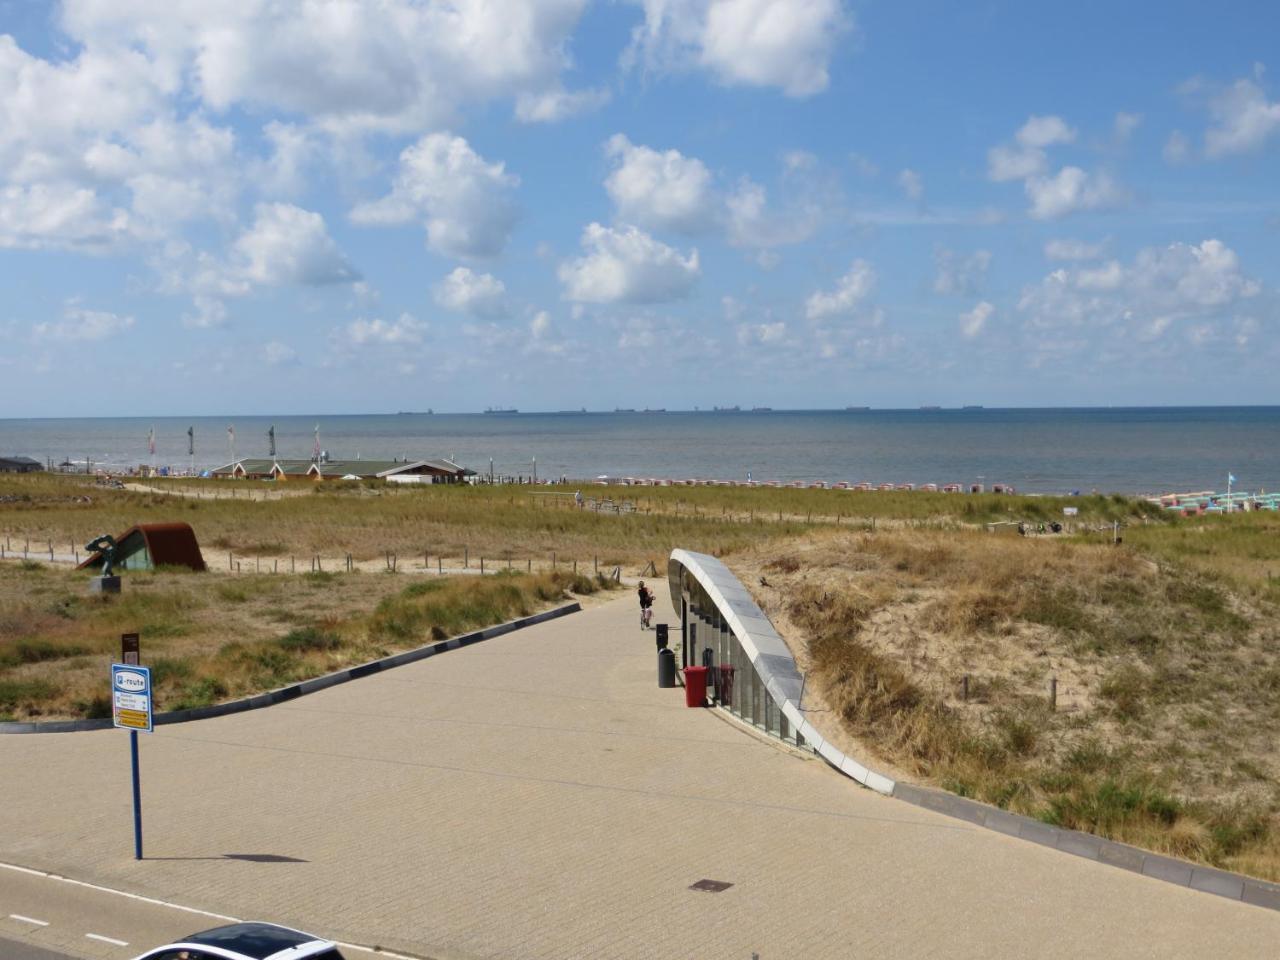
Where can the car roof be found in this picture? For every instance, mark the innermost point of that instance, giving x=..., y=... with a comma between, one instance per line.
x=258, y=941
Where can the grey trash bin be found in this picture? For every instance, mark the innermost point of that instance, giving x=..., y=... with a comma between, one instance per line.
x=666, y=668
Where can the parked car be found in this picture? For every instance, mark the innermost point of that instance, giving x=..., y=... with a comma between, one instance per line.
x=246, y=941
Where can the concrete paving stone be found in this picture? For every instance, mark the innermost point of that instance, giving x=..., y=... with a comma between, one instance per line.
x=1216, y=881
x=1042, y=833
x=1119, y=855
x=1004, y=822
x=1167, y=869
x=1079, y=844
x=1261, y=894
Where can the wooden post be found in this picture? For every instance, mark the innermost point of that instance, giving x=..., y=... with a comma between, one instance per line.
x=275, y=565
x=230, y=563
x=482, y=565
x=1053, y=693
x=553, y=559
x=466, y=558
x=292, y=568
x=529, y=565
x=964, y=688
x=596, y=563
x=440, y=566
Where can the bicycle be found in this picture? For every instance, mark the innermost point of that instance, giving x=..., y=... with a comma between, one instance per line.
x=646, y=617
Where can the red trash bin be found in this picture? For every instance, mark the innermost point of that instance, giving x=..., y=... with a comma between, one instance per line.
x=695, y=686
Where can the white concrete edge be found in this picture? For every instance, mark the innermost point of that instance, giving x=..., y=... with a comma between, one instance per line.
x=707, y=570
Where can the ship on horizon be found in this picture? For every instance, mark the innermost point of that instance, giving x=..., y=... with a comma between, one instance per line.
x=493, y=410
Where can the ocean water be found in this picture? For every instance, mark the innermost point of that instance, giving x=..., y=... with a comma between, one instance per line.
x=1131, y=450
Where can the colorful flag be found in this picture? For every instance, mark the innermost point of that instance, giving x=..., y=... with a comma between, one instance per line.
x=191, y=441
x=315, y=448
x=151, y=441
x=1231, y=478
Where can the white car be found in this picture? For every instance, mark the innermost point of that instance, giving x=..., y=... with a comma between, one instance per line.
x=247, y=941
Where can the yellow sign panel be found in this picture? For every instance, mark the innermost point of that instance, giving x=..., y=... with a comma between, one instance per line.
x=136, y=719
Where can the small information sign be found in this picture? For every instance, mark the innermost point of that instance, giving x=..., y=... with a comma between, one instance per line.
x=129, y=648
x=131, y=696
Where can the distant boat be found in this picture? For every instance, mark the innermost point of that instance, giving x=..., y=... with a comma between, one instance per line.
x=414, y=413
x=726, y=409
x=857, y=409
x=655, y=410
x=972, y=406
x=762, y=409
x=931, y=407
x=624, y=409
x=492, y=410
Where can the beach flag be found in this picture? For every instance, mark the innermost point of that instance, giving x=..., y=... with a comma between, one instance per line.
x=151, y=441
x=191, y=441
x=315, y=448
x=271, y=439
x=1231, y=478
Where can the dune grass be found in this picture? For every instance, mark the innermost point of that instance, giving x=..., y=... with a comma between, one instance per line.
x=209, y=638
x=1166, y=729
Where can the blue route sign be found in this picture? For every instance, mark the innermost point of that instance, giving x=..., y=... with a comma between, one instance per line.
x=131, y=697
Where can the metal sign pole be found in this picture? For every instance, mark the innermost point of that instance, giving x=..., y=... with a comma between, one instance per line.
x=137, y=797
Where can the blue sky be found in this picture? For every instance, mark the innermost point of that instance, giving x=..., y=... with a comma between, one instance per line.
x=549, y=204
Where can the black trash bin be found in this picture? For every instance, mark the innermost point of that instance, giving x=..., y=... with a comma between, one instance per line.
x=666, y=667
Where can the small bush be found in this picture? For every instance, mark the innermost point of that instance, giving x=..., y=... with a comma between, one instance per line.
x=310, y=638
x=203, y=693
x=19, y=693
x=97, y=707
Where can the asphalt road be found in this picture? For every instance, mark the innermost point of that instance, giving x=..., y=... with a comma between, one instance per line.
x=13, y=950
x=44, y=917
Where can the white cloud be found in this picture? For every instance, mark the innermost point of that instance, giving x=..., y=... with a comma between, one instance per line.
x=960, y=275
x=350, y=67
x=625, y=265
x=1177, y=148
x=81, y=324
x=754, y=224
x=548, y=106
x=1201, y=286
x=1243, y=119
x=279, y=354
x=209, y=312
x=464, y=200
x=659, y=190
x=292, y=150
x=973, y=322
x=1072, y=190
x=59, y=216
x=478, y=294
x=1027, y=157
x=1125, y=124
x=404, y=330
x=540, y=325
x=1072, y=250
x=851, y=293
x=765, y=43
x=912, y=184
x=762, y=333
x=287, y=244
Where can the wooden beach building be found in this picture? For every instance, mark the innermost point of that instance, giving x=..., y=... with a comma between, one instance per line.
x=20, y=465
x=394, y=471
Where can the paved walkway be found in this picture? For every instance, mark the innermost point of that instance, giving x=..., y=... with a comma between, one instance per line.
x=537, y=796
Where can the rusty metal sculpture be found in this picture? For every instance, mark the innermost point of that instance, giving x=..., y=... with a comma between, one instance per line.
x=106, y=546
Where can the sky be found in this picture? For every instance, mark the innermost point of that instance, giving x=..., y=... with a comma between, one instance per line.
x=357, y=207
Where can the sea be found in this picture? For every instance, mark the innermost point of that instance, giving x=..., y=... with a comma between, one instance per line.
x=1109, y=450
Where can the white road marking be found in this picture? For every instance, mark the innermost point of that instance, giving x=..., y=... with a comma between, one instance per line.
x=98, y=936
x=38, y=923
x=163, y=903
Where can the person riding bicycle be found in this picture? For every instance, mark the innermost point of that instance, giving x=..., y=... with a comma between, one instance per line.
x=646, y=605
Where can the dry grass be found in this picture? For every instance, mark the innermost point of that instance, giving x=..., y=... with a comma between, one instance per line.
x=1167, y=727
x=209, y=638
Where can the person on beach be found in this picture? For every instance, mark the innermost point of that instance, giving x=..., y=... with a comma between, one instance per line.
x=577, y=498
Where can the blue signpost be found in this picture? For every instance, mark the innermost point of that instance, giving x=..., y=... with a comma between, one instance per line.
x=131, y=710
